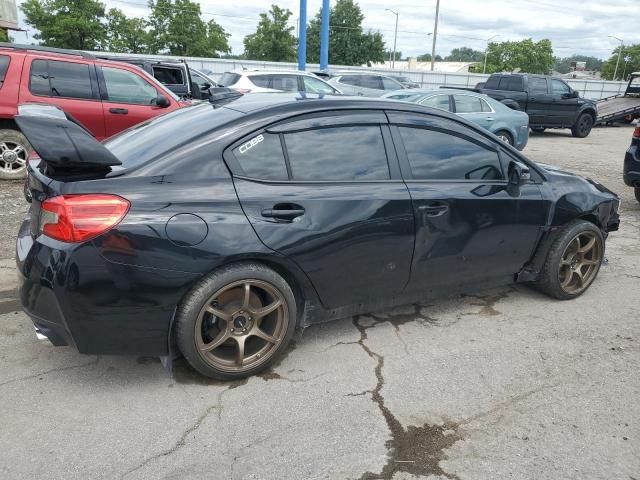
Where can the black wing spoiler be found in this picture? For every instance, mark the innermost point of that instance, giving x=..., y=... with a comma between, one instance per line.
x=63, y=144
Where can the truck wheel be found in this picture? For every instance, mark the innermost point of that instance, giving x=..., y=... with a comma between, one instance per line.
x=637, y=192
x=573, y=261
x=14, y=151
x=236, y=321
x=582, y=127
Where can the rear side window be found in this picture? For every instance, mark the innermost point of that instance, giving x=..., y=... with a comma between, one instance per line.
x=435, y=155
x=338, y=153
x=438, y=101
x=286, y=83
x=53, y=78
x=4, y=66
x=493, y=82
x=537, y=85
x=228, y=78
x=127, y=87
x=513, y=83
x=261, y=157
x=467, y=104
x=169, y=76
x=260, y=80
x=370, y=81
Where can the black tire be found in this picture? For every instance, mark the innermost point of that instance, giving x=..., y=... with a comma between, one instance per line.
x=13, y=166
x=190, y=313
x=538, y=129
x=628, y=119
x=549, y=279
x=583, y=126
x=636, y=190
x=504, y=136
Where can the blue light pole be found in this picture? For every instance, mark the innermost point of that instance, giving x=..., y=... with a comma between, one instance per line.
x=324, y=36
x=302, y=36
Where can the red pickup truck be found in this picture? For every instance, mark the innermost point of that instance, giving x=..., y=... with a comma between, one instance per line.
x=104, y=96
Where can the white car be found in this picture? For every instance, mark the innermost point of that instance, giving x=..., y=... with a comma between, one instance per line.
x=262, y=81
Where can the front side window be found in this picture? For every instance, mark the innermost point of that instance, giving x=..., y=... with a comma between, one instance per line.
x=261, y=157
x=350, y=80
x=200, y=81
x=467, y=104
x=371, y=81
x=314, y=85
x=435, y=155
x=228, y=78
x=390, y=84
x=127, y=87
x=168, y=76
x=54, y=78
x=558, y=87
x=285, y=83
x=438, y=101
x=337, y=153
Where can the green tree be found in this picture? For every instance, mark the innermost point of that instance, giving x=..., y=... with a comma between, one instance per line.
x=525, y=56
x=75, y=24
x=128, y=35
x=4, y=35
x=426, y=57
x=273, y=40
x=177, y=28
x=629, y=62
x=348, y=43
x=563, y=65
x=465, y=54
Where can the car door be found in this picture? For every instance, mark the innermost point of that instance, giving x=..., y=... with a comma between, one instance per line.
x=540, y=102
x=326, y=192
x=471, y=229
x=72, y=86
x=565, y=105
x=127, y=99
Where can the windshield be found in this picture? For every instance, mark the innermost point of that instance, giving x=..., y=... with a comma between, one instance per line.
x=158, y=137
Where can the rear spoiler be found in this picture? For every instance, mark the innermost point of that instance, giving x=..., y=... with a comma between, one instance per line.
x=64, y=145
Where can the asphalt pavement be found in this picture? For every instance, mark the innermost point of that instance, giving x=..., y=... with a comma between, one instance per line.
x=503, y=384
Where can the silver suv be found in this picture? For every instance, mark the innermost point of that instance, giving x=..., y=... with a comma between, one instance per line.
x=365, y=84
x=262, y=81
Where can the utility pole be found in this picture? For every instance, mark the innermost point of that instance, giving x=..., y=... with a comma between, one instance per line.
x=435, y=34
x=302, y=36
x=486, y=48
x=395, y=39
x=324, y=36
x=615, y=73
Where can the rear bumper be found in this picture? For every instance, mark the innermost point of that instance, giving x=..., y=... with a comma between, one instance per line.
x=76, y=297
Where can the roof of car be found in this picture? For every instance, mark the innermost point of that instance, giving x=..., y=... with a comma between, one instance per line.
x=271, y=72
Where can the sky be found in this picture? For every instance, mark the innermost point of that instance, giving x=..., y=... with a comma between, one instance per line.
x=574, y=26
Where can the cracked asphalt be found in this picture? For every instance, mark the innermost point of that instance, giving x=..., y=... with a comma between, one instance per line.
x=503, y=384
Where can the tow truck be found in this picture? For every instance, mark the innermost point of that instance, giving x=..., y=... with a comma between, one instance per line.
x=622, y=107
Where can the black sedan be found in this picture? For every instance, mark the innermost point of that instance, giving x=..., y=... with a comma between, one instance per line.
x=217, y=230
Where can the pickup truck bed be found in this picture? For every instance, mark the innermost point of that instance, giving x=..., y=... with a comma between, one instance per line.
x=616, y=108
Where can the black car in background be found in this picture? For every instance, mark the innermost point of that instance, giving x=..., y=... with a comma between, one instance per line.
x=550, y=102
x=275, y=211
x=631, y=174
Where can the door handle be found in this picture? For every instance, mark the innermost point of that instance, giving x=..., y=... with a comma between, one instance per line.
x=532, y=98
x=118, y=111
x=283, y=211
x=434, y=209
x=490, y=119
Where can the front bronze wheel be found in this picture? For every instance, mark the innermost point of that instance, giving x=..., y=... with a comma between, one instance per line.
x=236, y=321
x=573, y=260
x=580, y=262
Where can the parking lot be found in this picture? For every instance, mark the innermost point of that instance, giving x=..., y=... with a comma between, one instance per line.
x=503, y=384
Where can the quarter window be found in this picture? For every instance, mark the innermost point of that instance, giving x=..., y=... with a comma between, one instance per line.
x=435, y=155
x=338, y=153
x=127, y=87
x=261, y=157
x=53, y=78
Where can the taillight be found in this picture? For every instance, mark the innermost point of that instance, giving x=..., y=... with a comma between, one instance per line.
x=636, y=133
x=78, y=218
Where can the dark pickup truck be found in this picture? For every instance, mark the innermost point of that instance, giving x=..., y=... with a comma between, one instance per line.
x=550, y=102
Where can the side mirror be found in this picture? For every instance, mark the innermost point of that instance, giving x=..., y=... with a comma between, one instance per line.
x=161, y=101
x=575, y=94
x=518, y=173
x=205, y=86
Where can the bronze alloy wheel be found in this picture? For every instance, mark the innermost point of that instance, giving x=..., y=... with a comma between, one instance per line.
x=241, y=325
x=580, y=262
